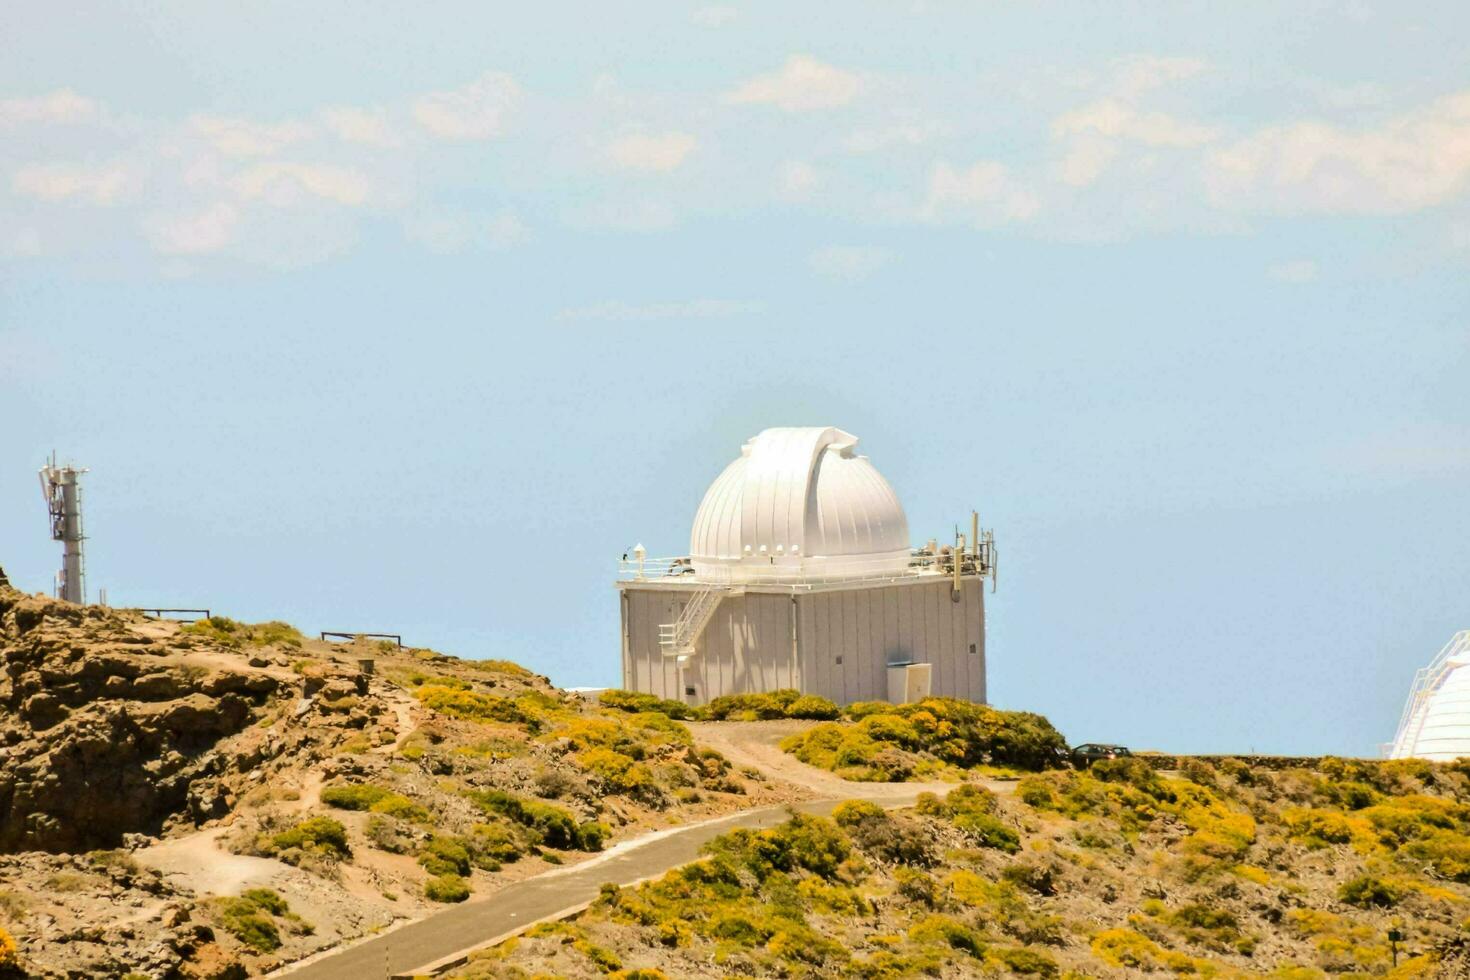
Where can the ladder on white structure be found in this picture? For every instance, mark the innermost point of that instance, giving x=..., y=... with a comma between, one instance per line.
x=677, y=639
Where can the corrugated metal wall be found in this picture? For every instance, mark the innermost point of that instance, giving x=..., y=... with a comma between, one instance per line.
x=837, y=644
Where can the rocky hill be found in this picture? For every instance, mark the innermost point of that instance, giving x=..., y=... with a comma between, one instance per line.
x=220, y=799
x=212, y=800
x=111, y=728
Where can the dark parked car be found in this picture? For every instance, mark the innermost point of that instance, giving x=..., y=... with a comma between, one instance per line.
x=1085, y=755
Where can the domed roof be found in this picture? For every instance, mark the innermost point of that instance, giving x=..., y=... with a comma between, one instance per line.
x=800, y=500
x=1436, y=720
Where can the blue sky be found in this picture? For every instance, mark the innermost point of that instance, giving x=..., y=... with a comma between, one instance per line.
x=369, y=317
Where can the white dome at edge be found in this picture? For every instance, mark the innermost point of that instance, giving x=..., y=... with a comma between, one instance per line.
x=1436, y=727
x=800, y=500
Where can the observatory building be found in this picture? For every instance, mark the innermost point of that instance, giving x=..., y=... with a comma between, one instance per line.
x=800, y=574
x=1436, y=721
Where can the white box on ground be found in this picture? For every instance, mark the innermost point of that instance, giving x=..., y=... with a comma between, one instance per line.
x=908, y=683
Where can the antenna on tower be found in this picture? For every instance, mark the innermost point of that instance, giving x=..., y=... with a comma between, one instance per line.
x=63, y=494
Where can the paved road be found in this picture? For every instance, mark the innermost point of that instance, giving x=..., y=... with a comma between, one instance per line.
x=480, y=920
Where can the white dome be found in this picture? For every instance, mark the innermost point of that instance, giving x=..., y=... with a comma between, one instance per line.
x=800, y=501
x=1436, y=721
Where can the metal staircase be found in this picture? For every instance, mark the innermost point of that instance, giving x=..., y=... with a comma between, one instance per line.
x=677, y=639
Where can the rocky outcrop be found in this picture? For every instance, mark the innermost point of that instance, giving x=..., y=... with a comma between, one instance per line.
x=106, y=732
x=150, y=927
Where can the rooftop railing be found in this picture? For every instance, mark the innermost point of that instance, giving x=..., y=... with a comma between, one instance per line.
x=807, y=572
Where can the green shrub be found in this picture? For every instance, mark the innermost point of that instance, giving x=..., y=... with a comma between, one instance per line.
x=973, y=809
x=620, y=773
x=474, y=706
x=887, y=837
x=1318, y=828
x=444, y=856
x=604, y=959
x=592, y=835
x=318, y=835
x=1032, y=876
x=499, y=667
x=1025, y=961
x=252, y=927
x=765, y=706
x=1366, y=891
x=943, y=929
x=447, y=888
x=352, y=797
x=552, y=825
x=266, y=900
x=1197, y=915
x=813, y=706
x=388, y=835
x=230, y=633
x=878, y=740
x=251, y=918
x=1447, y=853
x=814, y=844
x=394, y=805
x=494, y=844
x=634, y=702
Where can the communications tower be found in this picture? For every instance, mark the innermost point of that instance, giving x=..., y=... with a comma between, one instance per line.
x=63, y=493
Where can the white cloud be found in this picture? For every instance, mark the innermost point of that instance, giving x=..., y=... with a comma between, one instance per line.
x=1095, y=135
x=289, y=184
x=244, y=138
x=454, y=232
x=193, y=233
x=698, y=309
x=505, y=229
x=1411, y=162
x=68, y=182
x=476, y=112
x=1085, y=161
x=902, y=134
x=61, y=106
x=661, y=153
x=714, y=16
x=355, y=125
x=1295, y=271
x=23, y=243
x=801, y=85
x=1424, y=449
x=798, y=179
x=638, y=215
x=848, y=262
x=1143, y=73
x=985, y=193
x=1116, y=119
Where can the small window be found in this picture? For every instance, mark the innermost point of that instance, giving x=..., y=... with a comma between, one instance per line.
x=839, y=661
x=973, y=649
x=689, y=691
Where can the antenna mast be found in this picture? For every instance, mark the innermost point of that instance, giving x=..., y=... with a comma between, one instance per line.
x=63, y=494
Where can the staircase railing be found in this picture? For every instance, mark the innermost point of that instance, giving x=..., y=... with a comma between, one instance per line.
x=677, y=639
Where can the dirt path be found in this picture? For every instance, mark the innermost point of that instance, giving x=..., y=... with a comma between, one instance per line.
x=402, y=706
x=199, y=862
